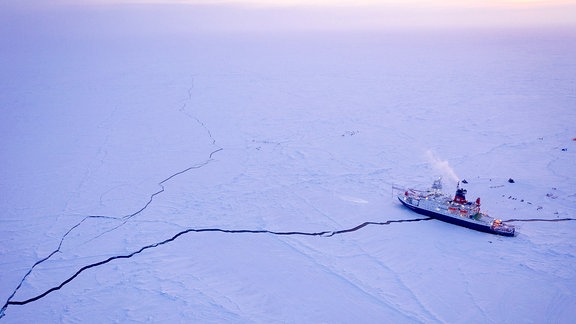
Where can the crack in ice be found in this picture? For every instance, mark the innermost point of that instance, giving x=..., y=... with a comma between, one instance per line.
x=192, y=230
x=540, y=220
x=220, y=230
x=124, y=219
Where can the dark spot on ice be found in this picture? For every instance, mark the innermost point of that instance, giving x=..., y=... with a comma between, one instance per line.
x=511, y=180
x=464, y=181
x=350, y=133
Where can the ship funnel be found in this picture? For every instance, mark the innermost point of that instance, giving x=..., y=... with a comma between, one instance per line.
x=460, y=196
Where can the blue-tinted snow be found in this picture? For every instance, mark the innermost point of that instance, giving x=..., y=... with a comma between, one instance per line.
x=115, y=137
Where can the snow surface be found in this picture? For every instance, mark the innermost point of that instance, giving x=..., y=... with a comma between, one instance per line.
x=221, y=166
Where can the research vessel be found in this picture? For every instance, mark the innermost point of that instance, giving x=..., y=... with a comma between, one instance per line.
x=457, y=210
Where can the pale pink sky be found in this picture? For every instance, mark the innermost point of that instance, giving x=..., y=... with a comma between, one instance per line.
x=378, y=14
x=282, y=15
x=458, y=3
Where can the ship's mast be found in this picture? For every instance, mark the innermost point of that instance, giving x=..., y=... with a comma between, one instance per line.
x=437, y=186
